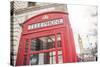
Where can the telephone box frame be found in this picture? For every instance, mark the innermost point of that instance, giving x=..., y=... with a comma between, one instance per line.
x=67, y=43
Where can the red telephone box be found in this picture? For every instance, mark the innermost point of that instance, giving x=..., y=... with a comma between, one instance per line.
x=46, y=38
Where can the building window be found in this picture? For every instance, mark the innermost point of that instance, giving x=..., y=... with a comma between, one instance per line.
x=30, y=4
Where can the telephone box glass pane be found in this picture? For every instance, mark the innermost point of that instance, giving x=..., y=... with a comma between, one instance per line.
x=60, y=58
x=42, y=43
x=26, y=50
x=34, y=45
x=34, y=59
x=25, y=58
x=44, y=58
x=41, y=58
x=52, y=57
x=59, y=40
x=45, y=43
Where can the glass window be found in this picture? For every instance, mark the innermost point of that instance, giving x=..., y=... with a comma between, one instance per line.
x=59, y=40
x=52, y=57
x=42, y=43
x=60, y=59
x=34, y=44
x=30, y=4
x=45, y=43
x=41, y=58
x=46, y=58
x=26, y=50
x=34, y=59
x=25, y=58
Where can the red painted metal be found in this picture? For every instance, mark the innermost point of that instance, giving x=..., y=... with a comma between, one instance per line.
x=67, y=40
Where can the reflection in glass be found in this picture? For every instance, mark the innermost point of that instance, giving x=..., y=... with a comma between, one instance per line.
x=42, y=43
x=52, y=57
x=34, y=59
x=45, y=43
x=60, y=59
x=25, y=58
x=26, y=50
x=35, y=44
x=59, y=40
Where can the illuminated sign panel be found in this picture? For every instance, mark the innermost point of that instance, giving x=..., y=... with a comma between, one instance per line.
x=45, y=24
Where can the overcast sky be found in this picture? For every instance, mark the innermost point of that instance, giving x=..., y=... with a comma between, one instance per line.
x=81, y=20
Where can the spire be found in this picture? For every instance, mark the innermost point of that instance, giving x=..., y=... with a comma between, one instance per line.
x=80, y=44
